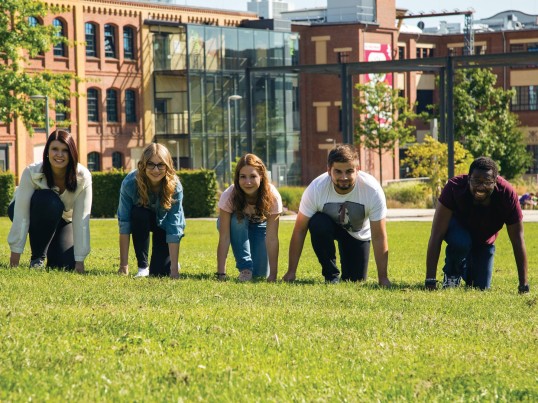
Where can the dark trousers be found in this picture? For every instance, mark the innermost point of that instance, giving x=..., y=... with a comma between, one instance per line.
x=50, y=235
x=144, y=221
x=354, y=253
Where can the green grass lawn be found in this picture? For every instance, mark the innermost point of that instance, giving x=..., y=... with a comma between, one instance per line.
x=104, y=337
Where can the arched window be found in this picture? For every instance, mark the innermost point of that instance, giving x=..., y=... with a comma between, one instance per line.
x=93, y=105
x=91, y=40
x=117, y=160
x=110, y=41
x=33, y=21
x=128, y=43
x=130, y=106
x=59, y=48
x=112, y=105
x=94, y=161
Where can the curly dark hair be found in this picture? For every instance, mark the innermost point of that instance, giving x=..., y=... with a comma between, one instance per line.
x=265, y=197
x=484, y=164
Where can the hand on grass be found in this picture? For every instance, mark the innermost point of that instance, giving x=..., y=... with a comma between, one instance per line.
x=289, y=276
x=79, y=268
x=385, y=282
x=14, y=259
x=123, y=270
x=271, y=278
x=174, y=273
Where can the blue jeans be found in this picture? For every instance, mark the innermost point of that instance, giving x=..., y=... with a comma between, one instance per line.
x=248, y=246
x=474, y=263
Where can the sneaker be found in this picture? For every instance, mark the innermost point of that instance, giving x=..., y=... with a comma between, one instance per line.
x=334, y=280
x=142, y=272
x=451, y=281
x=245, y=275
x=38, y=263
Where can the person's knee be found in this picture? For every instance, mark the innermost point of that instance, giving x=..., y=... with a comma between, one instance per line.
x=46, y=203
x=320, y=223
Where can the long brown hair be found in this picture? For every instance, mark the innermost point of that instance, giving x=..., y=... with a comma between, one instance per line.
x=64, y=137
x=265, y=198
x=169, y=182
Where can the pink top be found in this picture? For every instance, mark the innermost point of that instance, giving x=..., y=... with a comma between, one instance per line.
x=225, y=203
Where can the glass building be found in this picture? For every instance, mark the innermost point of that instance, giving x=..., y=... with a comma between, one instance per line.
x=206, y=100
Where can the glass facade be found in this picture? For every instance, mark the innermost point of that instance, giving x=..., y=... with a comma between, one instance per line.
x=197, y=71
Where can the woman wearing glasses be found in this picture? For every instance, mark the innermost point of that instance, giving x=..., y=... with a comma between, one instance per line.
x=151, y=201
x=52, y=205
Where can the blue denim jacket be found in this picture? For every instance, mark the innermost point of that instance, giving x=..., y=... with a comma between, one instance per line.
x=171, y=221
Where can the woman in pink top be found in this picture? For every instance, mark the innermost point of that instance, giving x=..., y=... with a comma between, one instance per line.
x=248, y=220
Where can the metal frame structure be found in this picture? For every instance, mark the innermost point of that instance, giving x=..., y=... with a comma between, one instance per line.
x=444, y=66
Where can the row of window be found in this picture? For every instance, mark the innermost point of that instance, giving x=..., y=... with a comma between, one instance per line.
x=110, y=41
x=525, y=98
x=112, y=105
x=94, y=161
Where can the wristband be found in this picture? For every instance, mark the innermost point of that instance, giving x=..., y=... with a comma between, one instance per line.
x=430, y=282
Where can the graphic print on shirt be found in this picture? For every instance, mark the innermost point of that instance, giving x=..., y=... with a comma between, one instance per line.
x=348, y=215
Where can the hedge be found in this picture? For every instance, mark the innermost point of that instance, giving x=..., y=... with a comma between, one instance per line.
x=199, y=192
x=7, y=188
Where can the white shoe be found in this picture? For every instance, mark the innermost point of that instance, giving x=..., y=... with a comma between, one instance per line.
x=245, y=275
x=142, y=272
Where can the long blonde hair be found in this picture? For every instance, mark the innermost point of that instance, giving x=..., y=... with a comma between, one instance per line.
x=169, y=182
x=265, y=197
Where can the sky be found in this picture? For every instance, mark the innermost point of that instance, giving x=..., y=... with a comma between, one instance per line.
x=483, y=8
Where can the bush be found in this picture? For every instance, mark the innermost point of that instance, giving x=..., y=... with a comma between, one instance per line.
x=106, y=193
x=408, y=194
x=7, y=188
x=291, y=196
x=199, y=192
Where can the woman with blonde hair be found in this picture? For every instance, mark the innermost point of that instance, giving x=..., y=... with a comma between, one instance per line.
x=248, y=220
x=151, y=201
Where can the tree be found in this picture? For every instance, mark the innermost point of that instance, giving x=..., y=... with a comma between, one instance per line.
x=21, y=37
x=384, y=118
x=430, y=159
x=484, y=124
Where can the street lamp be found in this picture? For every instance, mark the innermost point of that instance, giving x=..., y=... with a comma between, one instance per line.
x=231, y=98
x=47, y=124
x=177, y=151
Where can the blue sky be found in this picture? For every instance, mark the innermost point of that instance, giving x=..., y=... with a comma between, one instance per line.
x=483, y=8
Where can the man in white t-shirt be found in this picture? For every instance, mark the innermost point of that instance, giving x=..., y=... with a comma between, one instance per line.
x=348, y=206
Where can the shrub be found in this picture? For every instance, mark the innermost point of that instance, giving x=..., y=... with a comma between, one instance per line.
x=199, y=192
x=7, y=188
x=291, y=196
x=408, y=194
x=106, y=193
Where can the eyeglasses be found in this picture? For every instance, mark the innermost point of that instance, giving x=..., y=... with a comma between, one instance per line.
x=477, y=183
x=151, y=166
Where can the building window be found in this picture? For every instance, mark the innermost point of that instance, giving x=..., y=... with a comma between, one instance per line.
x=423, y=53
x=33, y=21
x=94, y=162
x=130, y=106
x=525, y=98
x=128, y=43
x=93, y=105
x=117, y=160
x=110, y=41
x=424, y=99
x=112, y=105
x=401, y=52
x=4, y=157
x=59, y=48
x=91, y=40
x=62, y=114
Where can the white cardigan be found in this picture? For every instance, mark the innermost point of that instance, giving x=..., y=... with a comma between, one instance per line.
x=77, y=208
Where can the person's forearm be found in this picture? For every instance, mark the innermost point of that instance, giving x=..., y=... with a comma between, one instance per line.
x=521, y=263
x=272, y=254
x=125, y=239
x=173, y=249
x=381, y=255
x=222, y=254
x=432, y=257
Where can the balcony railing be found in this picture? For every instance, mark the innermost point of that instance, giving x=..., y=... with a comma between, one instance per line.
x=171, y=123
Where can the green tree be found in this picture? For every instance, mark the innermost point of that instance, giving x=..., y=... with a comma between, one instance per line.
x=20, y=39
x=484, y=124
x=385, y=119
x=430, y=159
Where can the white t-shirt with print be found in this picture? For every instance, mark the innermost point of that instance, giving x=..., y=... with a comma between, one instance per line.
x=225, y=203
x=352, y=211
